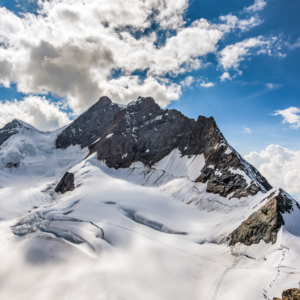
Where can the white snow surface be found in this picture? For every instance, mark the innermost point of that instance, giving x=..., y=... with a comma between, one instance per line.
x=136, y=233
x=178, y=165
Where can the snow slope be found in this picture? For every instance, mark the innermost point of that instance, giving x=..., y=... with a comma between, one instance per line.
x=135, y=233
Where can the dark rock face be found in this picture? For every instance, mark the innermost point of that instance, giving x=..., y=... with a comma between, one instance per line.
x=291, y=294
x=9, y=130
x=66, y=183
x=225, y=183
x=88, y=127
x=264, y=223
x=228, y=182
x=145, y=132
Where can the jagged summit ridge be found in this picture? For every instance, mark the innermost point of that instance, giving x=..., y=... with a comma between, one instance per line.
x=144, y=132
x=14, y=127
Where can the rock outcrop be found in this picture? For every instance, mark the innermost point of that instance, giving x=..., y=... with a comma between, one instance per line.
x=9, y=130
x=66, y=183
x=89, y=126
x=290, y=294
x=265, y=222
x=144, y=132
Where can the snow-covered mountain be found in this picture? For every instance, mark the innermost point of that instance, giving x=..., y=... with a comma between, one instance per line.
x=137, y=202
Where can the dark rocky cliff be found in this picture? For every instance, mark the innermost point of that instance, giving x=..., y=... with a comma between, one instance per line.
x=145, y=132
x=89, y=126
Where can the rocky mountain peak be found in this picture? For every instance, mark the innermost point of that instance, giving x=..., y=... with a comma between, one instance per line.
x=89, y=126
x=141, y=103
x=146, y=133
x=12, y=128
x=103, y=101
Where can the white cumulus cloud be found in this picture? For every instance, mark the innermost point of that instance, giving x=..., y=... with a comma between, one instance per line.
x=225, y=76
x=36, y=111
x=73, y=48
x=232, y=55
x=280, y=166
x=290, y=115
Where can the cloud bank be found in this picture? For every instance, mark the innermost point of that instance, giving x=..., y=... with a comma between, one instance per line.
x=280, y=166
x=36, y=111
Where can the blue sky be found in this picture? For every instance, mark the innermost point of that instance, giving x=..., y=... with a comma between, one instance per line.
x=246, y=101
x=58, y=57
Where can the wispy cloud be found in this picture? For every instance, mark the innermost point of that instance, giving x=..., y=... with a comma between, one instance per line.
x=187, y=81
x=246, y=130
x=206, y=84
x=258, y=5
x=290, y=115
x=294, y=45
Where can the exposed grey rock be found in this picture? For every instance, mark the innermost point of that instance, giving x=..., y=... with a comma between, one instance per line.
x=145, y=132
x=89, y=126
x=264, y=223
x=9, y=130
x=66, y=183
x=227, y=183
x=290, y=294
